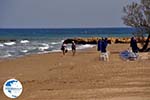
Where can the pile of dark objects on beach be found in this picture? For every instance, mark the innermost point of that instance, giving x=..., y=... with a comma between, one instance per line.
x=94, y=40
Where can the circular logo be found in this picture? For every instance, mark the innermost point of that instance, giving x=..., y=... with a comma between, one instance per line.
x=12, y=88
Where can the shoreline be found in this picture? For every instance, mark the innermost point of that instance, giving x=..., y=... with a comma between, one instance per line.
x=23, y=47
x=47, y=52
x=90, y=46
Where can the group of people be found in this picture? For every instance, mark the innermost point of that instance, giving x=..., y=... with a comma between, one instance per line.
x=104, y=54
x=65, y=50
x=102, y=47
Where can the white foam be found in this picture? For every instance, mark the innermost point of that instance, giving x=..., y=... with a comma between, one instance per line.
x=24, y=51
x=24, y=41
x=6, y=56
x=53, y=43
x=44, y=44
x=62, y=41
x=1, y=45
x=9, y=43
x=56, y=51
x=78, y=47
x=51, y=46
x=31, y=48
x=44, y=47
x=43, y=52
x=85, y=46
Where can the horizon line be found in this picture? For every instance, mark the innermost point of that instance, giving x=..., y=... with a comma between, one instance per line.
x=62, y=27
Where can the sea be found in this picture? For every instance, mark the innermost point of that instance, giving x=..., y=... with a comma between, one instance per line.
x=20, y=42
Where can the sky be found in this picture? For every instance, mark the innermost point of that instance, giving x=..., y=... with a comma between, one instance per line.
x=61, y=13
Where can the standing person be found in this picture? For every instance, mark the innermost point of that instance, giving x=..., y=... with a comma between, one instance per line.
x=106, y=42
x=99, y=45
x=104, y=54
x=73, y=46
x=64, y=48
x=103, y=46
x=133, y=45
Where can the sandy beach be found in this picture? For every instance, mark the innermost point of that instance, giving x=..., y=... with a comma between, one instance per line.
x=53, y=76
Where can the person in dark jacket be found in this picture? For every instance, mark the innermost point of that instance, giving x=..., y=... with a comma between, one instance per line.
x=133, y=45
x=106, y=41
x=99, y=45
x=103, y=46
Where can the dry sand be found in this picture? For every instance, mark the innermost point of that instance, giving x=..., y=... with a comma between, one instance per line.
x=81, y=77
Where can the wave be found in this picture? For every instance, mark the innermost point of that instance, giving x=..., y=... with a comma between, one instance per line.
x=85, y=46
x=1, y=45
x=43, y=47
x=43, y=52
x=78, y=47
x=24, y=41
x=51, y=46
x=32, y=48
x=62, y=41
x=6, y=55
x=53, y=43
x=9, y=43
x=56, y=51
x=24, y=51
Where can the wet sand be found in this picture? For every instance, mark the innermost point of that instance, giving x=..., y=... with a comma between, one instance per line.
x=81, y=77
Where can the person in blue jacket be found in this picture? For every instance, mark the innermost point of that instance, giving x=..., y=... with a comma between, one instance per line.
x=133, y=45
x=102, y=46
x=99, y=45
